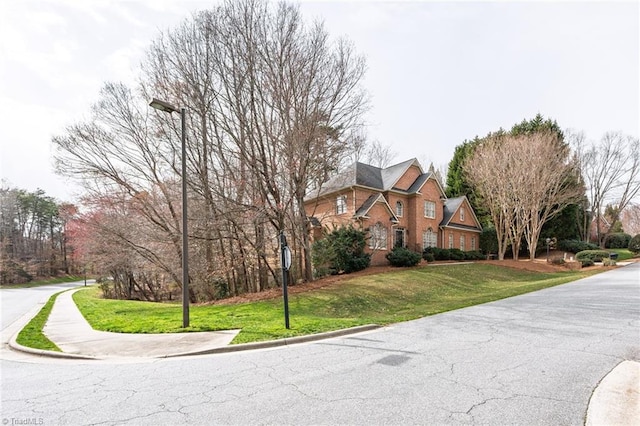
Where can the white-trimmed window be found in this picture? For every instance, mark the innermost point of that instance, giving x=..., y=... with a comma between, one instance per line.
x=430, y=209
x=451, y=241
x=378, y=237
x=462, y=241
x=429, y=239
x=461, y=214
x=473, y=243
x=341, y=204
x=399, y=209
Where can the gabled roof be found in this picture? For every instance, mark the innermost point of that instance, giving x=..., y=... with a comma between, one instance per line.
x=391, y=175
x=369, y=203
x=451, y=206
x=360, y=174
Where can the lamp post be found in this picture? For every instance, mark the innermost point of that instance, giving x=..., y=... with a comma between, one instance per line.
x=167, y=107
x=548, y=240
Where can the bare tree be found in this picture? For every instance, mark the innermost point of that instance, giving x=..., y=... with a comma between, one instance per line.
x=379, y=155
x=523, y=181
x=486, y=163
x=611, y=170
x=630, y=219
x=551, y=183
x=273, y=105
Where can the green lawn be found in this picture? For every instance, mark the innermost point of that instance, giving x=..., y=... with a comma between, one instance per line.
x=381, y=299
x=623, y=254
x=32, y=335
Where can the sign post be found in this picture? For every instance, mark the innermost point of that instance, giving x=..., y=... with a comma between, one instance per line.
x=285, y=261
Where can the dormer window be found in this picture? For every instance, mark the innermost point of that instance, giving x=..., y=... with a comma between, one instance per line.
x=341, y=204
x=399, y=209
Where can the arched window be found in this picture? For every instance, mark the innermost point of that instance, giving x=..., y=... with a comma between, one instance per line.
x=429, y=239
x=399, y=209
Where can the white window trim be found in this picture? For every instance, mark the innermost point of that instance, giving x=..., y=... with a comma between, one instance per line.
x=430, y=203
x=399, y=212
x=341, y=204
x=461, y=214
x=378, y=238
x=429, y=239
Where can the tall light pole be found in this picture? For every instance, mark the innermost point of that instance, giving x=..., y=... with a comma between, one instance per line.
x=167, y=107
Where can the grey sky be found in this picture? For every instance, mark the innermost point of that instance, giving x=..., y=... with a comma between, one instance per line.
x=438, y=73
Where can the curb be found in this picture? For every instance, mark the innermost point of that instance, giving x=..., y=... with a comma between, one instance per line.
x=25, y=319
x=13, y=344
x=279, y=342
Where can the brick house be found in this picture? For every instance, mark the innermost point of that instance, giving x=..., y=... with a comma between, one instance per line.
x=400, y=205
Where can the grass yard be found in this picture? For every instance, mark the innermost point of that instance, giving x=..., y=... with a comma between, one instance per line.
x=32, y=335
x=623, y=254
x=381, y=299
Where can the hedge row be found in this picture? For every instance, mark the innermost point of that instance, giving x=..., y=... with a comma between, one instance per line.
x=617, y=240
x=433, y=253
x=594, y=255
x=575, y=246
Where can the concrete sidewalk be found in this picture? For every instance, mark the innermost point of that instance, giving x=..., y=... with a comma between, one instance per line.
x=68, y=329
x=616, y=400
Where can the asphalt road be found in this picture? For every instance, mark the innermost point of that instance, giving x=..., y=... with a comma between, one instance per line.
x=16, y=302
x=532, y=359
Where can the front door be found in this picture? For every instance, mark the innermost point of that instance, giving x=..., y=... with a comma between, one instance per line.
x=399, y=237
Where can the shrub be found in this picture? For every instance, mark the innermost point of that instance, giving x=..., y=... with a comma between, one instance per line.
x=634, y=244
x=442, y=254
x=456, y=254
x=489, y=241
x=557, y=261
x=401, y=256
x=428, y=257
x=617, y=240
x=474, y=255
x=437, y=253
x=575, y=246
x=594, y=255
x=608, y=262
x=341, y=250
x=587, y=262
x=321, y=257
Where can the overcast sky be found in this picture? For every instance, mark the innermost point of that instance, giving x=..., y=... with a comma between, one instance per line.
x=438, y=73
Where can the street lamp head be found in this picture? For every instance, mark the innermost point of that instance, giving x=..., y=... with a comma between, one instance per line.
x=163, y=106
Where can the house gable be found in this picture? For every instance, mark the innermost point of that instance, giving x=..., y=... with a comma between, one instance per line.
x=364, y=209
x=459, y=214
